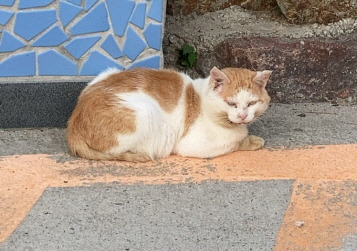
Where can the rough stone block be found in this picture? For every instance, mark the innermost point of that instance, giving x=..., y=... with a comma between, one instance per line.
x=303, y=69
x=185, y=7
x=317, y=11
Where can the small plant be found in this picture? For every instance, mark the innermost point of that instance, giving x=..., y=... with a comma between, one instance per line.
x=188, y=56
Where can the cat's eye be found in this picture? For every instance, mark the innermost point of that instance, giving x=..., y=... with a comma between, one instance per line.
x=252, y=103
x=232, y=104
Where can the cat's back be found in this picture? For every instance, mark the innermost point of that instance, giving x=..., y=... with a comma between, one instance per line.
x=125, y=103
x=157, y=83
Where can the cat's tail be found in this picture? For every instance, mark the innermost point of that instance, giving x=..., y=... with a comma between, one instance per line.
x=81, y=149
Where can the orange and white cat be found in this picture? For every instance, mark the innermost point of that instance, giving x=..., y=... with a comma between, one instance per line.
x=145, y=114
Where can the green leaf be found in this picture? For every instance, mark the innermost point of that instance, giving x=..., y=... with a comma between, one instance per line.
x=184, y=63
x=192, y=58
x=186, y=49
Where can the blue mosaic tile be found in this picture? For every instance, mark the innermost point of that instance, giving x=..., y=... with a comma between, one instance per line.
x=120, y=12
x=90, y=24
x=23, y=64
x=138, y=16
x=151, y=62
x=53, y=37
x=152, y=35
x=89, y=4
x=111, y=46
x=10, y=43
x=155, y=11
x=5, y=16
x=133, y=45
x=25, y=4
x=95, y=20
x=28, y=24
x=96, y=63
x=76, y=2
x=7, y=2
x=80, y=45
x=67, y=12
x=52, y=63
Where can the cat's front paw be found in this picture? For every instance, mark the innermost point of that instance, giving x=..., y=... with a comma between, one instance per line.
x=256, y=142
x=251, y=143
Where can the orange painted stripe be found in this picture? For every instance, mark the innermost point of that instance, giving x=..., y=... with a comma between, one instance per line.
x=23, y=178
x=320, y=215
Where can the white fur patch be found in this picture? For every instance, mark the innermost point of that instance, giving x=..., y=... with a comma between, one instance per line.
x=104, y=75
x=155, y=133
x=242, y=100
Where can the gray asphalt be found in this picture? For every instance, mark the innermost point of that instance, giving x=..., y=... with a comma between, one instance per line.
x=283, y=125
x=209, y=216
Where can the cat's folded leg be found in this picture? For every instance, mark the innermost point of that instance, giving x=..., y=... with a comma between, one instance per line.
x=132, y=157
x=250, y=143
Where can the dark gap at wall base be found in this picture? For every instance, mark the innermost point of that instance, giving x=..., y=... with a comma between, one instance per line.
x=26, y=105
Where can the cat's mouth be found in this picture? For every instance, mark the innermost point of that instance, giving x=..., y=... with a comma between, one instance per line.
x=238, y=123
x=223, y=119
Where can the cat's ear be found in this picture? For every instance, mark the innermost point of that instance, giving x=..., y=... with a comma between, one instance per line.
x=218, y=79
x=262, y=78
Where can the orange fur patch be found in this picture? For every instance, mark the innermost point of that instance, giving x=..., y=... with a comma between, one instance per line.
x=96, y=120
x=193, y=107
x=242, y=79
x=165, y=86
x=99, y=117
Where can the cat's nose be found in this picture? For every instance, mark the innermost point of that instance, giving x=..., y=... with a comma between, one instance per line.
x=242, y=116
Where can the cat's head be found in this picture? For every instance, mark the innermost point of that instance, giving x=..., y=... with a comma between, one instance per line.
x=242, y=93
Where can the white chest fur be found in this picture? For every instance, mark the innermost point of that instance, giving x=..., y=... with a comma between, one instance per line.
x=206, y=139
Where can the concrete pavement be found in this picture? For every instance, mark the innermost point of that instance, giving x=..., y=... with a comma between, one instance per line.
x=299, y=193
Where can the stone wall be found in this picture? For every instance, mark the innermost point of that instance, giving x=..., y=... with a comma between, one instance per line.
x=317, y=11
x=185, y=7
x=313, y=54
x=295, y=11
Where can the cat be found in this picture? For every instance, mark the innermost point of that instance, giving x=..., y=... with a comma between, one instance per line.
x=145, y=114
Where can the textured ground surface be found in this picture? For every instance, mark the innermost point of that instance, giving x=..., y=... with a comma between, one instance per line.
x=299, y=193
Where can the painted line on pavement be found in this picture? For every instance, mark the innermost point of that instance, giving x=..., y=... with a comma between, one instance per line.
x=23, y=178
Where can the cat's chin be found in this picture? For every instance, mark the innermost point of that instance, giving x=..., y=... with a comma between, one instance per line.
x=239, y=123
